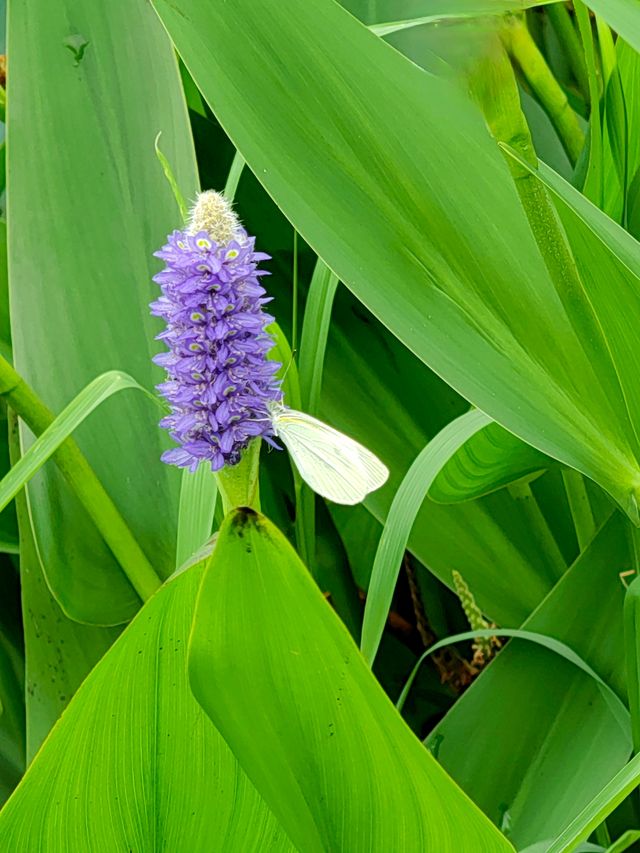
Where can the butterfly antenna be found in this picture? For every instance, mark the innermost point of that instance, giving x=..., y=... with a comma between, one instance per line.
x=286, y=370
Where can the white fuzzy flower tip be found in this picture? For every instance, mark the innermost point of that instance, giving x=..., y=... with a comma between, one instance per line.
x=213, y=213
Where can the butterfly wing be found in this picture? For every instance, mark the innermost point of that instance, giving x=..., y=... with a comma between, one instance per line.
x=334, y=465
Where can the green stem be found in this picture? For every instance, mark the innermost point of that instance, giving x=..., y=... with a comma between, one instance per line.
x=562, y=23
x=631, y=620
x=76, y=470
x=494, y=86
x=537, y=73
x=607, y=50
x=593, y=181
x=294, y=318
x=521, y=492
x=602, y=835
x=233, y=178
x=579, y=505
x=239, y=484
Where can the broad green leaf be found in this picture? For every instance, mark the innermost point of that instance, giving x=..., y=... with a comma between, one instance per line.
x=59, y=653
x=490, y=459
x=80, y=260
x=321, y=741
x=393, y=404
x=390, y=175
x=545, y=741
x=600, y=807
x=543, y=847
x=134, y=763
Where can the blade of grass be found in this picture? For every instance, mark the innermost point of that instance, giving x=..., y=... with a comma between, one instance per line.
x=562, y=22
x=539, y=528
x=632, y=638
x=233, y=178
x=625, y=841
x=53, y=438
x=404, y=508
x=315, y=330
x=581, y=511
x=313, y=345
x=622, y=784
x=618, y=708
x=198, y=496
x=593, y=180
x=168, y=173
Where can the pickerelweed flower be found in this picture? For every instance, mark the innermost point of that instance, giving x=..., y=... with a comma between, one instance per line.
x=220, y=383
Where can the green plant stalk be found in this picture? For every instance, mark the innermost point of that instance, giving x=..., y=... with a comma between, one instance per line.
x=607, y=49
x=239, y=484
x=631, y=619
x=593, y=182
x=579, y=505
x=313, y=345
x=233, y=178
x=81, y=477
x=602, y=835
x=521, y=492
x=294, y=316
x=494, y=87
x=563, y=25
x=537, y=73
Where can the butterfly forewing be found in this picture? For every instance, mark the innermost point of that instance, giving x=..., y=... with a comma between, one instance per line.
x=334, y=465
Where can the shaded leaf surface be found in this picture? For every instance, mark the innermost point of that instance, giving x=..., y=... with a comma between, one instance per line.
x=134, y=763
x=401, y=216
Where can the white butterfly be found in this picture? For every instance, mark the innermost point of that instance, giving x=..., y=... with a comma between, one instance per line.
x=334, y=465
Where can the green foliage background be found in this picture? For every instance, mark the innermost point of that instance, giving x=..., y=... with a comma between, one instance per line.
x=450, y=190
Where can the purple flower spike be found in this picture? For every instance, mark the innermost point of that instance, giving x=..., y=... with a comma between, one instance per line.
x=219, y=381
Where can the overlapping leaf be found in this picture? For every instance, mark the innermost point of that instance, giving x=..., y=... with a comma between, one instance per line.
x=304, y=715
x=545, y=741
x=134, y=763
x=88, y=204
x=392, y=177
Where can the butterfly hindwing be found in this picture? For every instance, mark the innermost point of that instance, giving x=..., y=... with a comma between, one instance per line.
x=334, y=465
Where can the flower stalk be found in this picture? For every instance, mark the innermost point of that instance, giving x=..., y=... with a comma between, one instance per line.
x=79, y=474
x=523, y=49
